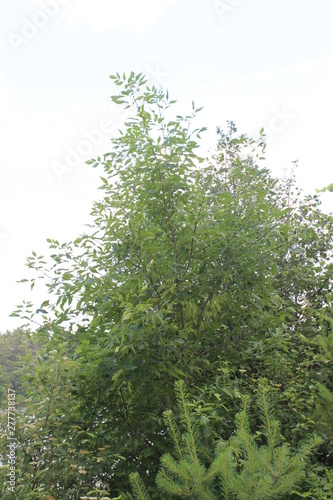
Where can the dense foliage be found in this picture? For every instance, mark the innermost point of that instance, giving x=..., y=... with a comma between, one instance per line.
x=16, y=350
x=239, y=468
x=206, y=270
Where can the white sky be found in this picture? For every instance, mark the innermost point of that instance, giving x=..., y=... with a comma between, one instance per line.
x=258, y=62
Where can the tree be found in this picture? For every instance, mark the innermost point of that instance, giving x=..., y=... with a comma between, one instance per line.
x=207, y=270
x=240, y=468
x=16, y=348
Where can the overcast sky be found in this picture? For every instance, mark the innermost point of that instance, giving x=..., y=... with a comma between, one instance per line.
x=261, y=63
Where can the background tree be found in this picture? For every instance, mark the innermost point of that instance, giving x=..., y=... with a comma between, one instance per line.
x=16, y=348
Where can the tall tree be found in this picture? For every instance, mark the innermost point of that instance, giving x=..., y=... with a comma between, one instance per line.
x=201, y=269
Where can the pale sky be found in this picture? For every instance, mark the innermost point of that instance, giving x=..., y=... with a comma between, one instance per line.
x=261, y=63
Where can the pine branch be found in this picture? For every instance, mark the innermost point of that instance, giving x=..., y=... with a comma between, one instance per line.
x=139, y=490
x=174, y=431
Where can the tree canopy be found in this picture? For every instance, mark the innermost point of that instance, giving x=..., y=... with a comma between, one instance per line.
x=206, y=270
